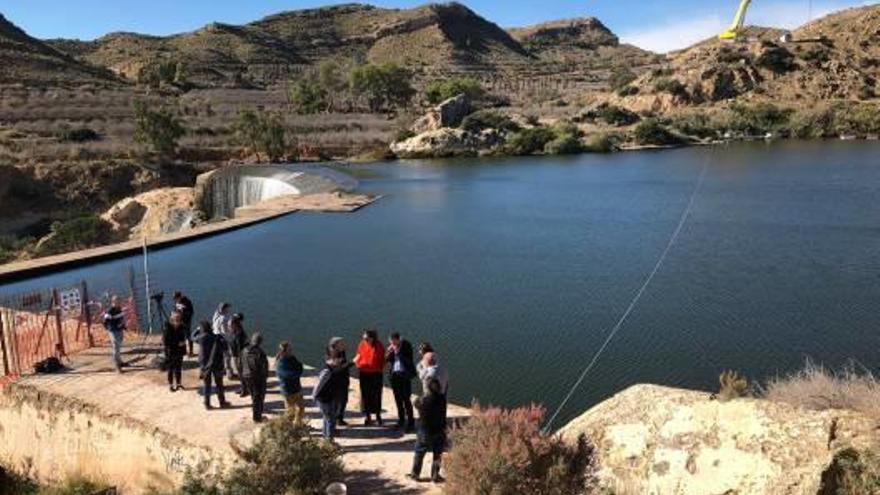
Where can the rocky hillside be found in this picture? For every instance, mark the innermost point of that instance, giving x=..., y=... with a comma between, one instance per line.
x=433, y=40
x=29, y=61
x=834, y=58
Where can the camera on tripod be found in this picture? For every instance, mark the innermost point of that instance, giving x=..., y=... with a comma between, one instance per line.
x=160, y=315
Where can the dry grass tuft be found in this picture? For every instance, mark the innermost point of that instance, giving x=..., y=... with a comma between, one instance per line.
x=817, y=387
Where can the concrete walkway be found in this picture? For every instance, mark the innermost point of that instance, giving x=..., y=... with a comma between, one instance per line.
x=376, y=459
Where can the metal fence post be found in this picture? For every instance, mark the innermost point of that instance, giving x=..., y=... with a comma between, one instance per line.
x=87, y=313
x=56, y=303
x=7, y=370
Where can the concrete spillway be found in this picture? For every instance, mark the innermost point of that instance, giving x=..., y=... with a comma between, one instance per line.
x=220, y=192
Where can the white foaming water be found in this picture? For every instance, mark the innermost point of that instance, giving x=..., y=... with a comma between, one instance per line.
x=244, y=186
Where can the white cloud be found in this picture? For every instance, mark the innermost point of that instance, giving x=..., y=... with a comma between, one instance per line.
x=674, y=35
x=787, y=14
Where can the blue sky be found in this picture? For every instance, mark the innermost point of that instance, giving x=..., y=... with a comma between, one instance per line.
x=657, y=25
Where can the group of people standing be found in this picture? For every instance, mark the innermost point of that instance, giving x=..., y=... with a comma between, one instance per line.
x=226, y=351
x=371, y=360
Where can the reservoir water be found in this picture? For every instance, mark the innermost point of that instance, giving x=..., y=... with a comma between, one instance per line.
x=516, y=269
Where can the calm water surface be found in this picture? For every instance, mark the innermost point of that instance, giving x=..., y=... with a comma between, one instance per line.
x=516, y=269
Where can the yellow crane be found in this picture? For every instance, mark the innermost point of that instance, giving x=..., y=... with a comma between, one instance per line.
x=731, y=33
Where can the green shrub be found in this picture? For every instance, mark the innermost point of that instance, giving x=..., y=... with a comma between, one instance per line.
x=12, y=483
x=383, y=87
x=285, y=459
x=627, y=91
x=529, y=141
x=616, y=116
x=697, y=124
x=489, y=119
x=602, y=142
x=652, y=132
x=776, y=59
x=564, y=144
x=159, y=129
x=621, y=77
x=261, y=132
x=79, y=135
x=308, y=97
x=77, y=233
x=671, y=86
x=76, y=485
x=759, y=118
x=504, y=452
x=812, y=123
x=858, y=119
x=11, y=247
x=439, y=91
x=852, y=473
x=403, y=135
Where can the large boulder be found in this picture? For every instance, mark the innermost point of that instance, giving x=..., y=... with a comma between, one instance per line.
x=449, y=113
x=447, y=142
x=154, y=213
x=658, y=440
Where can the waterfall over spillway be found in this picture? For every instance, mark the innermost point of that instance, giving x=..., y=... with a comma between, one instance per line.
x=224, y=190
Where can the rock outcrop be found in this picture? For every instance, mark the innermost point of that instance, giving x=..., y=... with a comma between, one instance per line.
x=658, y=440
x=449, y=113
x=447, y=142
x=160, y=211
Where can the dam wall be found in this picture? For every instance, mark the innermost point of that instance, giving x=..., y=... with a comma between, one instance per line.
x=220, y=192
x=50, y=437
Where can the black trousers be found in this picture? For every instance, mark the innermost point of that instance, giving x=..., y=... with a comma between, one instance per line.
x=257, y=389
x=174, y=362
x=217, y=378
x=371, y=393
x=401, y=385
x=343, y=403
x=426, y=442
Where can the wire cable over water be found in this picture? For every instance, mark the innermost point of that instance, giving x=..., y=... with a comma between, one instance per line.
x=638, y=295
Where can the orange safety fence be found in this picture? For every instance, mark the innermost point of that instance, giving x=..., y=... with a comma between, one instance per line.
x=54, y=323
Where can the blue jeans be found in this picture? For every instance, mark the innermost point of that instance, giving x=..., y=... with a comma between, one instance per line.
x=116, y=346
x=330, y=413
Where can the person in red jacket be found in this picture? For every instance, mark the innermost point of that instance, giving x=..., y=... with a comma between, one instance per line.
x=370, y=361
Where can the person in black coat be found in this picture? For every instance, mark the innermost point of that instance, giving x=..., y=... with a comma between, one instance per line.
x=238, y=342
x=402, y=370
x=174, y=341
x=186, y=309
x=337, y=344
x=328, y=391
x=432, y=431
x=255, y=374
x=211, y=362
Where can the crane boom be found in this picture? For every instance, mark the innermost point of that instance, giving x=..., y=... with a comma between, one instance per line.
x=733, y=31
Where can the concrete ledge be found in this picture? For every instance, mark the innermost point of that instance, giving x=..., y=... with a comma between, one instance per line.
x=251, y=215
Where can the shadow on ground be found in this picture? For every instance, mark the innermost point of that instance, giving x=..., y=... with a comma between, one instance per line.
x=370, y=482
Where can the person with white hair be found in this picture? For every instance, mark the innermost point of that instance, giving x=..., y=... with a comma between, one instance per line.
x=429, y=368
x=114, y=322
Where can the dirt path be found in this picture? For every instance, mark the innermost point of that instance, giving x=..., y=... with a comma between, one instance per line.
x=377, y=459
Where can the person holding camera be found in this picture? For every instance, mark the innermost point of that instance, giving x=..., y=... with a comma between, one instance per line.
x=174, y=340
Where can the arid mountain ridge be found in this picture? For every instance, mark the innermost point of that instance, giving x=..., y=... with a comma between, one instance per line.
x=431, y=40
